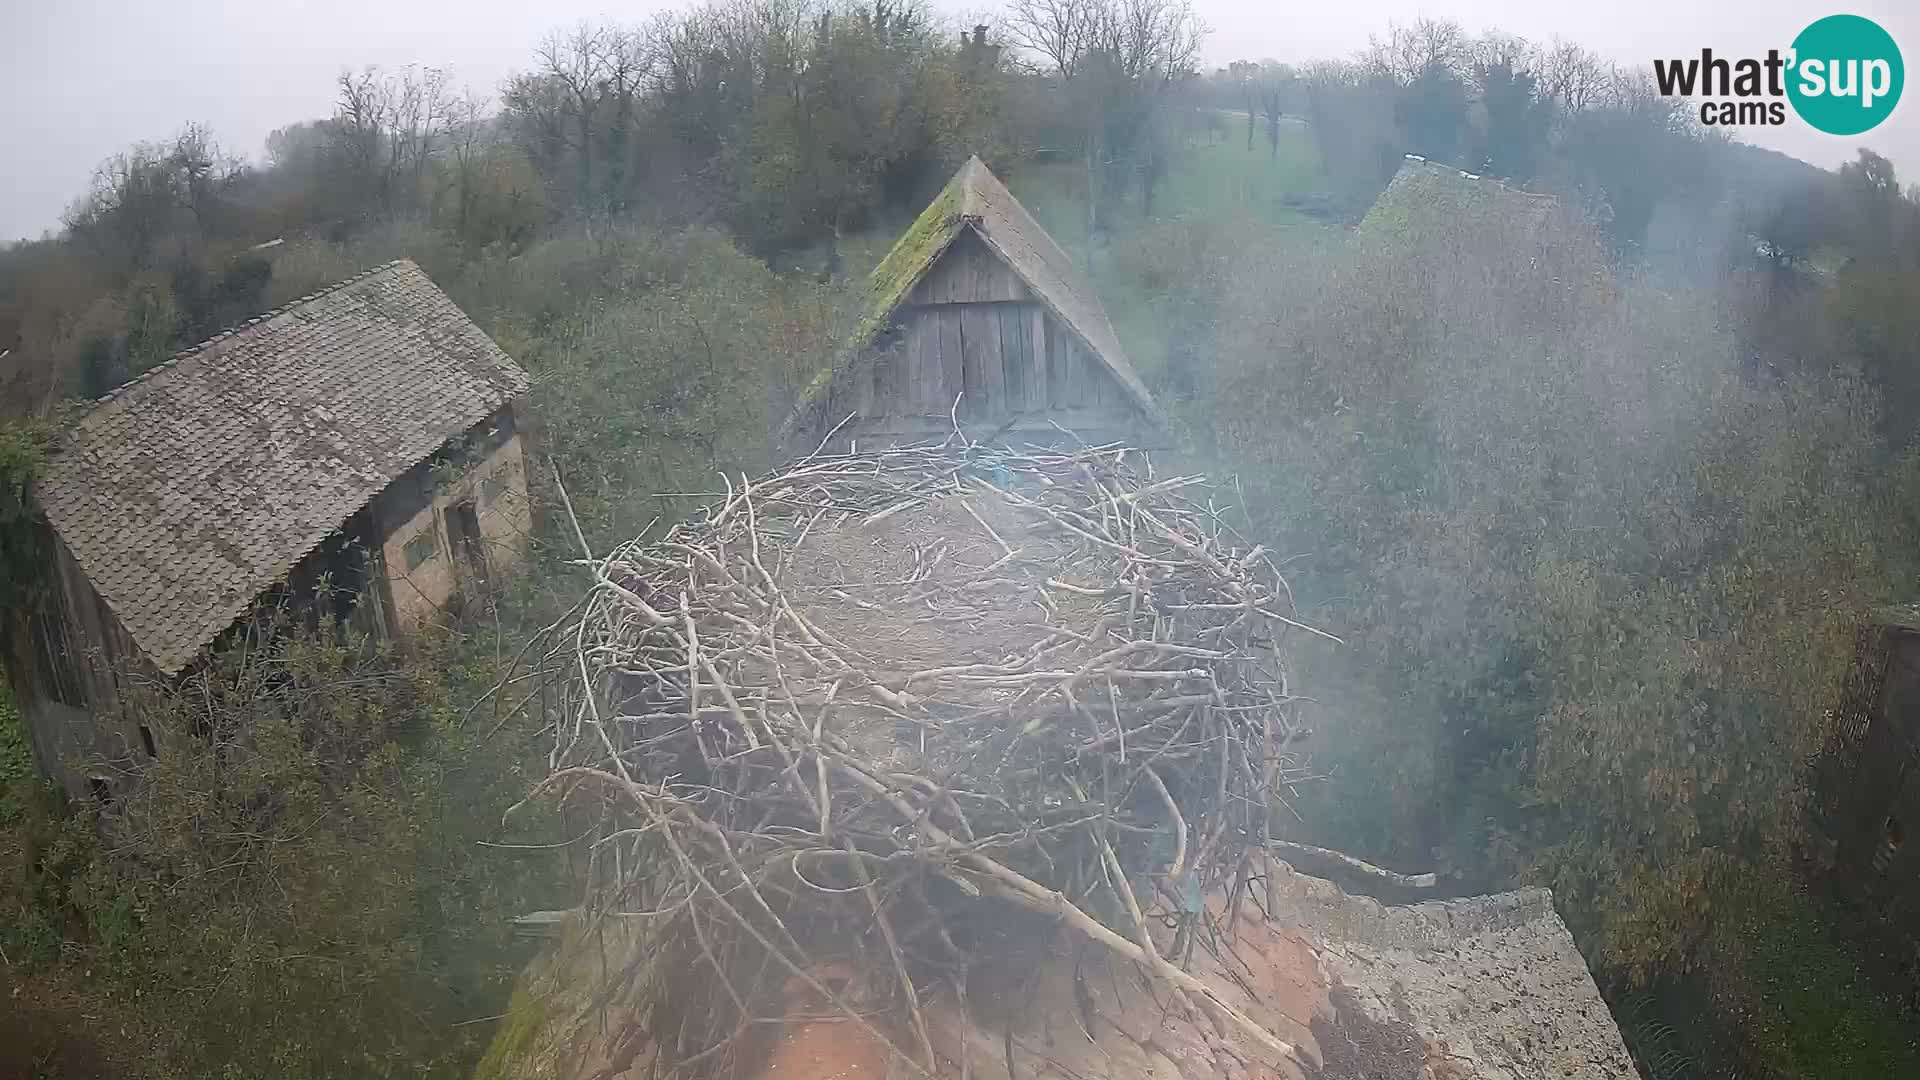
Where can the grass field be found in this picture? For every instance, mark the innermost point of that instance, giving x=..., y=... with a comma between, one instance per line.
x=1218, y=199
x=1221, y=178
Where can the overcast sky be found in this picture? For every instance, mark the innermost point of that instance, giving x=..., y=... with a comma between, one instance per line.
x=82, y=79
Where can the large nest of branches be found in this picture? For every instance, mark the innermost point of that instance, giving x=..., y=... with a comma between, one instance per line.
x=868, y=707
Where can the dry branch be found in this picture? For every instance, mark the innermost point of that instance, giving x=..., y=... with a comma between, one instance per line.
x=865, y=694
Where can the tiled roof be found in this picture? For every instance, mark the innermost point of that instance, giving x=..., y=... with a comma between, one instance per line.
x=976, y=199
x=1427, y=191
x=187, y=492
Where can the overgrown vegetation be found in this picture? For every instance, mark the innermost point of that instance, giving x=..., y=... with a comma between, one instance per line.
x=1780, y=968
x=293, y=883
x=17, y=774
x=1602, y=526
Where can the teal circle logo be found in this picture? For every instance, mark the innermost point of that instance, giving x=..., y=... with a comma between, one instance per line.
x=1846, y=75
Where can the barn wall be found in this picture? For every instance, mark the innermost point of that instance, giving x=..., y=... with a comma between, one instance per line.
x=64, y=674
x=969, y=273
x=972, y=327
x=420, y=503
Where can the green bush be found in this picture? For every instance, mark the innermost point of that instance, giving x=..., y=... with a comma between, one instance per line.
x=295, y=886
x=1780, y=965
x=1600, y=586
x=16, y=762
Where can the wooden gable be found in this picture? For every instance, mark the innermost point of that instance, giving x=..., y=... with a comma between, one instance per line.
x=971, y=324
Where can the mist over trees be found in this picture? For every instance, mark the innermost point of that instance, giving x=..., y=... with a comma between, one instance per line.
x=1597, y=495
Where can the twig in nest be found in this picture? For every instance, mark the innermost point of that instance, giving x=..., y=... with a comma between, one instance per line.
x=930, y=716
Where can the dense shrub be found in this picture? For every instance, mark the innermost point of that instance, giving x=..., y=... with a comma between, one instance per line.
x=1601, y=583
x=295, y=885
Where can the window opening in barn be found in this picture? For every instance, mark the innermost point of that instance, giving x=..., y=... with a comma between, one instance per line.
x=146, y=741
x=418, y=550
x=101, y=789
x=463, y=532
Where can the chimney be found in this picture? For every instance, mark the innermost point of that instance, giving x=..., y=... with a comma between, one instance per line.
x=980, y=33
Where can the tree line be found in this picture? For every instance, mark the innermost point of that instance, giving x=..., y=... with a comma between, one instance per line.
x=789, y=123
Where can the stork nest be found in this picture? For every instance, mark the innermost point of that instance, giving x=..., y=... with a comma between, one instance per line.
x=866, y=701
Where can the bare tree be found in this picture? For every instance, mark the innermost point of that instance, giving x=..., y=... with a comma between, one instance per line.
x=1421, y=48
x=363, y=109
x=1060, y=32
x=1273, y=83
x=1573, y=76
x=1118, y=60
x=577, y=64
x=388, y=127
x=421, y=110
x=629, y=62
x=586, y=94
x=140, y=195
x=1244, y=75
x=467, y=126
x=1497, y=48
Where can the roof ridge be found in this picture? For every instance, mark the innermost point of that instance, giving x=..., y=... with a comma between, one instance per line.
x=271, y=313
x=970, y=180
x=1479, y=177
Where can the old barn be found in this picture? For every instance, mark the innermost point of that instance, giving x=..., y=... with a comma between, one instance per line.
x=977, y=316
x=1865, y=802
x=355, y=451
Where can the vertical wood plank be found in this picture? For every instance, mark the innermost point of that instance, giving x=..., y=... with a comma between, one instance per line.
x=1056, y=367
x=980, y=339
x=890, y=371
x=914, y=367
x=953, y=366
x=970, y=377
x=1093, y=376
x=1070, y=387
x=939, y=280
x=1092, y=379
x=918, y=362
x=1037, y=350
x=868, y=378
x=936, y=394
x=993, y=363
x=947, y=268
x=1090, y=375
x=1015, y=361
x=899, y=385
x=969, y=273
x=908, y=370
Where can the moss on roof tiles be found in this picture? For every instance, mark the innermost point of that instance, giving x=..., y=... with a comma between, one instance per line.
x=1424, y=191
x=917, y=249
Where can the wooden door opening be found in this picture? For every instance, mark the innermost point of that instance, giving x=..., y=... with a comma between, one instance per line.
x=469, y=550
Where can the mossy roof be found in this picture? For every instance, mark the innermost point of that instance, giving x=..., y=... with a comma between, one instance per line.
x=976, y=199
x=1425, y=191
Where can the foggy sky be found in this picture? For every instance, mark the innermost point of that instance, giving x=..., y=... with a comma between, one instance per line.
x=82, y=79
